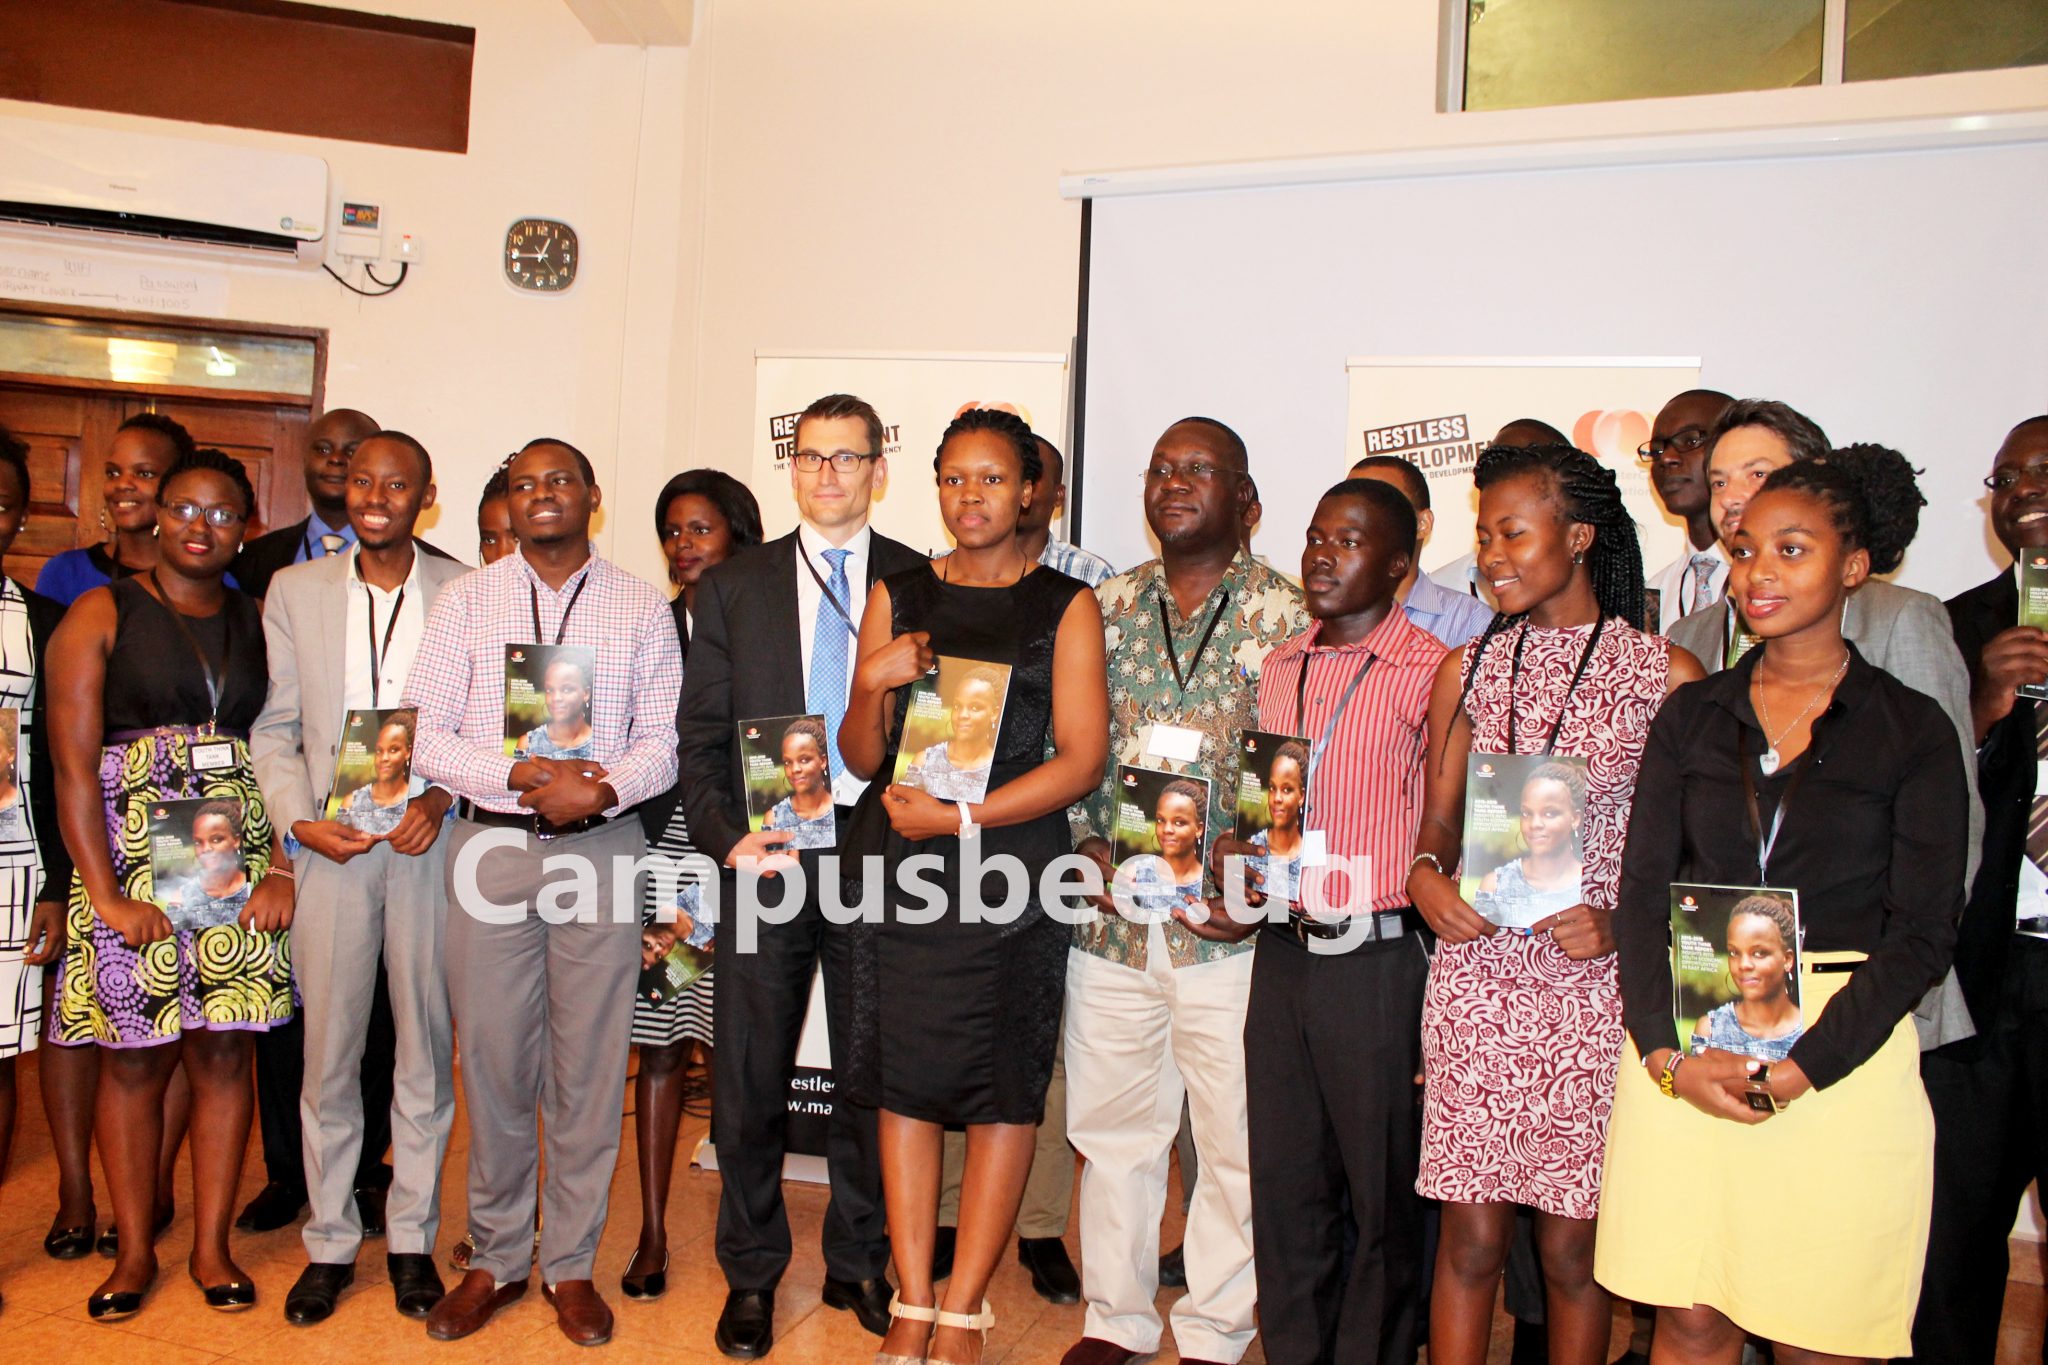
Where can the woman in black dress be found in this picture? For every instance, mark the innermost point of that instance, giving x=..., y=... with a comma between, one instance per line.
x=954, y=1022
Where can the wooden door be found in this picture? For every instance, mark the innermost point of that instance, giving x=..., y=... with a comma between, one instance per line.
x=69, y=428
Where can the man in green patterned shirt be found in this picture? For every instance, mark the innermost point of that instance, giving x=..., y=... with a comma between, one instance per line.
x=1157, y=1011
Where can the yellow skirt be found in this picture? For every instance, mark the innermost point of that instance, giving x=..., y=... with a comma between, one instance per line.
x=1808, y=1229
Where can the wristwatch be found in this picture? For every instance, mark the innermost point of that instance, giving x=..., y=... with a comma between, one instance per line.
x=968, y=829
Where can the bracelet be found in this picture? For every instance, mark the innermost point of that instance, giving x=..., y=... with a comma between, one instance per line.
x=276, y=871
x=1432, y=860
x=1668, y=1080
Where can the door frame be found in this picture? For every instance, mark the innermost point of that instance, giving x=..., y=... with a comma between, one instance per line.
x=314, y=403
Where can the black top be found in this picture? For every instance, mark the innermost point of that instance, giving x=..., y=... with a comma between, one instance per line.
x=655, y=810
x=153, y=678
x=1873, y=841
x=44, y=616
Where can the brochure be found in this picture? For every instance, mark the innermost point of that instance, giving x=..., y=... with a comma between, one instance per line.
x=786, y=765
x=950, y=728
x=1272, y=799
x=198, y=874
x=373, y=778
x=1735, y=968
x=1524, y=836
x=547, y=701
x=2034, y=603
x=1741, y=639
x=674, y=955
x=1161, y=837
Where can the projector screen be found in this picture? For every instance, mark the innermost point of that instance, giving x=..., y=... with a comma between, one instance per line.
x=1898, y=297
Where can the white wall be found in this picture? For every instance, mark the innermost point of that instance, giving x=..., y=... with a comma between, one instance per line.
x=559, y=127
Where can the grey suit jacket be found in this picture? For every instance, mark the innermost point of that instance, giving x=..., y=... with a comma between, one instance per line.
x=1907, y=634
x=295, y=738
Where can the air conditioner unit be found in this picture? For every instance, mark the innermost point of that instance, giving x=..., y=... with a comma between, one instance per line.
x=145, y=188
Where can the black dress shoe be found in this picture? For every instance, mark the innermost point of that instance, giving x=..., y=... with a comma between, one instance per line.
x=1052, y=1272
x=274, y=1206
x=113, y=1307
x=1173, y=1269
x=314, y=1294
x=415, y=1285
x=233, y=1297
x=942, y=1252
x=746, y=1326
x=869, y=1300
x=649, y=1286
x=370, y=1208
x=109, y=1244
x=68, y=1244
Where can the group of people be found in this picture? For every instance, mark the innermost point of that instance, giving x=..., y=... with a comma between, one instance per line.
x=1387, y=1093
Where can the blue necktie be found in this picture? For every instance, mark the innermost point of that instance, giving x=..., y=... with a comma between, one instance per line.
x=830, y=640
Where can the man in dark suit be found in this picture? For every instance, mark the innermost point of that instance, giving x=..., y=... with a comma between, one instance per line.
x=776, y=627
x=1990, y=1092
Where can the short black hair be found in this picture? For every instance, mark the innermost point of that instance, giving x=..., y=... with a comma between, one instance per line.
x=1047, y=448
x=837, y=405
x=1406, y=470
x=1390, y=501
x=1007, y=425
x=1550, y=435
x=1800, y=433
x=426, y=460
x=582, y=460
x=220, y=462
x=733, y=499
x=1891, y=499
x=1233, y=444
x=14, y=455
x=169, y=428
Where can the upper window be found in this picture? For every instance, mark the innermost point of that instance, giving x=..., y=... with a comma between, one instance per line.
x=1516, y=54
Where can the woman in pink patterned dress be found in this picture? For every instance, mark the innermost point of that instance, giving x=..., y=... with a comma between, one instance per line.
x=1521, y=1030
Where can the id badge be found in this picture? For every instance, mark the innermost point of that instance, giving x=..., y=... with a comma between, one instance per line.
x=1173, y=743
x=208, y=758
x=1315, y=848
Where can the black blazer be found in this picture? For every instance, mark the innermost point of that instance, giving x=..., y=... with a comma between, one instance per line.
x=747, y=660
x=655, y=810
x=263, y=558
x=2005, y=780
x=43, y=616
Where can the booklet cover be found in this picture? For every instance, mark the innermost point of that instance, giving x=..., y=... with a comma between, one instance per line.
x=1735, y=968
x=1524, y=848
x=1272, y=798
x=13, y=814
x=674, y=955
x=373, y=778
x=547, y=701
x=1741, y=639
x=1161, y=836
x=950, y=729
x=197, y=871
x=788, y=771
x=2034, y=603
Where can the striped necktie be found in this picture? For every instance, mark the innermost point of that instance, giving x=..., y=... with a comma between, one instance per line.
x=2037, y=819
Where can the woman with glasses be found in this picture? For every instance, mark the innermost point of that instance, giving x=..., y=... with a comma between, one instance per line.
x=157, y=678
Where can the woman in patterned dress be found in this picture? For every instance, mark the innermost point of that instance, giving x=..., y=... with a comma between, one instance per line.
x=1522, y=1030
x=33, y=867
x=156, y=680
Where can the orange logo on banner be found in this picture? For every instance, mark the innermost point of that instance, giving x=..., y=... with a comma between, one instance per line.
x=1611, y=435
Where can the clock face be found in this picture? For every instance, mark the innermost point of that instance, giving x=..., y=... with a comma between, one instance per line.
x=541, y=255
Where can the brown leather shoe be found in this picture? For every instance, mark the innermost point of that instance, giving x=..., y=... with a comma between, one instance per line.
x=470, y=1305
x=1096, y=1351
x=579, y=1312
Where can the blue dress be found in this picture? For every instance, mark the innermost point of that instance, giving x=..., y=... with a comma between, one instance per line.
x=1725, y=1032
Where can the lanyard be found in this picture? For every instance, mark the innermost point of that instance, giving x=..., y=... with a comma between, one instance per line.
x=533, y=601
x=1764, y=845
x=199, y=651
x=1514, y=686
x=1315, y=753
x=390, y=627
x=1166, y=635
x=838, y=607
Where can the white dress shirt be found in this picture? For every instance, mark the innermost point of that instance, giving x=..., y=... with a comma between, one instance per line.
x=368, y=605
x=1683, y=589
x=810, y=600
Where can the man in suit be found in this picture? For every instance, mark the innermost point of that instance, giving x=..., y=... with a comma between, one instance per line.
x=1990, y=1092
x=341, y=632
x=330, y=442
x=1677, y=455
x=776, y=627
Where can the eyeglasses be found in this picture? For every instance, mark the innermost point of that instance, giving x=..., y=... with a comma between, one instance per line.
x=219, y=517
x=1685, y=442
x=843, y=461
x=1194, y=471
x=1999, y=480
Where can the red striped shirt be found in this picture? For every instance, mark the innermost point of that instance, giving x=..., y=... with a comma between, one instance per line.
x=1366, y=792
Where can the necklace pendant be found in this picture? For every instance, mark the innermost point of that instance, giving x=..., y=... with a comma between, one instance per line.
x=1768, y=761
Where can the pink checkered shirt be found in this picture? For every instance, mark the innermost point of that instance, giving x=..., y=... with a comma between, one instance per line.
x=458, y=677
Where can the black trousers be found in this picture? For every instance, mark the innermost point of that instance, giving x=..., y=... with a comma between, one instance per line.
x=281, y=1074
x=1332, y=1046
x=758, y=1016
x=1990, y=1140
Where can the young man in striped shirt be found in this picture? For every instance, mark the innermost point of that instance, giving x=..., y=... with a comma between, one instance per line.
x=1333, y=1028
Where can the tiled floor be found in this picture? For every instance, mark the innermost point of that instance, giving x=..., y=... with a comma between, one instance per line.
x=44, y=1315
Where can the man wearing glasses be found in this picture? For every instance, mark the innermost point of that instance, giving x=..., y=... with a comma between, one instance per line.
x=775, y=636
x=1677, y=456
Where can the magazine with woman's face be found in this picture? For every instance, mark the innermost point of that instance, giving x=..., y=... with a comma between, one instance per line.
x=373, y=778
x=1735, y=968
x=1524, y=851
x=198, y=874
x=950, y=728
x=1272, y=807
x=1161, y=838
x=787, y=768
x=548, y=692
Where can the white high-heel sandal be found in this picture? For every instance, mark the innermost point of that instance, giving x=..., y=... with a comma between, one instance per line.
x=909, y=1312
x=971, y=1322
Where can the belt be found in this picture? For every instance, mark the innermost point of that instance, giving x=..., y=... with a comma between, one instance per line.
x=1381, y=925
x=529, y=821
x=2034, y=925
x=197, y=732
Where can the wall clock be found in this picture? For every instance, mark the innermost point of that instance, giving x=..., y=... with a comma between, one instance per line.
x=541, y=255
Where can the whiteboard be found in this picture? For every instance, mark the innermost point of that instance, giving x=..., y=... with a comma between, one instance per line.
x=1895, y=297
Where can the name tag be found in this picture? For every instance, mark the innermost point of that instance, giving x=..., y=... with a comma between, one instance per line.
x=2041, y=777
x=208, y=758
x=1174, y=743
x=1315, y=849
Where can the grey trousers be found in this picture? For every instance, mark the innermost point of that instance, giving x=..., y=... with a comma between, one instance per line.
x=380, y=904
x=544, y=1012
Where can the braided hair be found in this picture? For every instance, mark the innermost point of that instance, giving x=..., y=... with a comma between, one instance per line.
x=206, y=457
x=1836, y=487
x=1007, y=425
x=1891, y=498
x=1587, y=493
